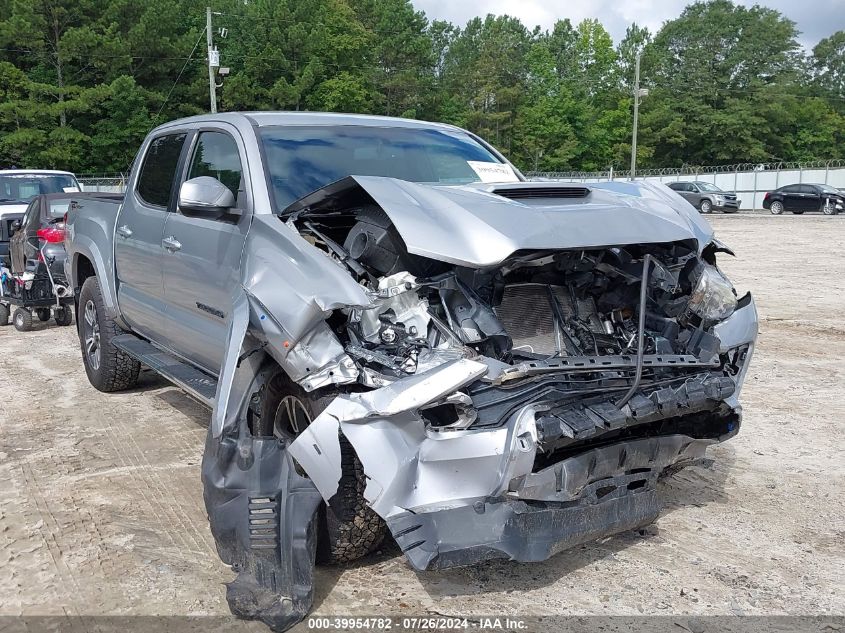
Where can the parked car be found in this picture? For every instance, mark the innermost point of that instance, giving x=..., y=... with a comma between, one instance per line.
x=805, y=197
x=706, y=197
x=396, y=332
x=18, y=187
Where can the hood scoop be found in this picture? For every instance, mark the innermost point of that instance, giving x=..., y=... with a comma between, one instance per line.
x=539, y=193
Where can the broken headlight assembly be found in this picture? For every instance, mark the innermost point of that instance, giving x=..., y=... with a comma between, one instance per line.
x=713, y=298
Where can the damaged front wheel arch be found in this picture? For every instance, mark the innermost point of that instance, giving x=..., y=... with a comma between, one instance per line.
x=349, y=529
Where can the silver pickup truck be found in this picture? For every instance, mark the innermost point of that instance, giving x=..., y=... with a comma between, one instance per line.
x=397, y=333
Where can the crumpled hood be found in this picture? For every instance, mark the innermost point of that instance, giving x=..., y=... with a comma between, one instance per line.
x=470, y=225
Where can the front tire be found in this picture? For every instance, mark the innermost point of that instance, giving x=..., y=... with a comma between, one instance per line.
x=828, y=208
x=108, y=368
x=22, y=320
x=776, y=208
x=705, y=206
x=349, y=528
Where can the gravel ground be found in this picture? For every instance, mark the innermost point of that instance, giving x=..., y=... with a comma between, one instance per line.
x=101, y=504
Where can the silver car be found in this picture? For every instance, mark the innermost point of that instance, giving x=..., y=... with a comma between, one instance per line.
x=706, y=197
x=399, y=335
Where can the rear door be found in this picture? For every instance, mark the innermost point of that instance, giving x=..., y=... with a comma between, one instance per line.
x=791, y=198
x=202, y=263
x=811, y=199
x=138, y=250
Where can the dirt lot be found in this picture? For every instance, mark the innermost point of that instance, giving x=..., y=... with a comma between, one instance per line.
x=101, y=503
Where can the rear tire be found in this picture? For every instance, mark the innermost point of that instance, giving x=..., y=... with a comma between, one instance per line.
x=43, y=314
x=776, y=208
x=64, y=316
x=108, y=368
x=349, y=528
x=4, y=314
x=22, y=320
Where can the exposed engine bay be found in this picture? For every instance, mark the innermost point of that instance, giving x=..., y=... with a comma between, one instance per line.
x=552, y=328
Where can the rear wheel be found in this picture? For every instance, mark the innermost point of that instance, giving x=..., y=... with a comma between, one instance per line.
x=43, y=314
x=4, y=314
x=64, y=316
x=108, y=368
x=706, y=206
x=776, y=208
x=349, y=529
x=22, y=320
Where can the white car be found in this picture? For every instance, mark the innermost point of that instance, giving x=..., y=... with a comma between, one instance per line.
x=18, y=187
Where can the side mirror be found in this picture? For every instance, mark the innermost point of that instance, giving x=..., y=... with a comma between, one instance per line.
x=206, y=196
x=14, y=227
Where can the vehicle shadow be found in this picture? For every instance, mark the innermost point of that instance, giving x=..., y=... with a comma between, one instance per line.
x=148, y=380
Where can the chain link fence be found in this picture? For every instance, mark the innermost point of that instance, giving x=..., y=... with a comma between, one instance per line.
x=750, y=181
x=103, y=183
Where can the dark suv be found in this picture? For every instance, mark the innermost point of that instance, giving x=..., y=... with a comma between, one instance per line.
x=706, y=197
x=805, y=197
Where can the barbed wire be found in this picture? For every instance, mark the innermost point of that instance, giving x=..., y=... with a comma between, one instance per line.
x=692, y=169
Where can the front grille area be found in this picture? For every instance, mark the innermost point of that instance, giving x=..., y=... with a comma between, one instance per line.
x=528, y=315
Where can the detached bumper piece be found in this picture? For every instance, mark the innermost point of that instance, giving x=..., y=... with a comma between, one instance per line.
x=525, y=531
x=602, y=492
x=263, y=518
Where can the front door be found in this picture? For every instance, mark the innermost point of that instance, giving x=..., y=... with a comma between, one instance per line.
x=202, y=259
x=138, y=250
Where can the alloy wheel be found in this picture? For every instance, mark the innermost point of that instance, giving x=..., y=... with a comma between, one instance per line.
x=91, y=335
x=290, y=418
x=776, y=208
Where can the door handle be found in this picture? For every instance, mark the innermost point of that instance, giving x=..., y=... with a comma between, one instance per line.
x=171, y=244
x=124, y=231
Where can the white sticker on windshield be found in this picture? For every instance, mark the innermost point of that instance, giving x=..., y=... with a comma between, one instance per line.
x=493, y=172
x=70, y=189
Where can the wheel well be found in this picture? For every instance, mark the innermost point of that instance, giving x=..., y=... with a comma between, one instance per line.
x=84, y=269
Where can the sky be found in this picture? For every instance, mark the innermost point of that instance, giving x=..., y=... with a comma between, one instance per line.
x=816, y=19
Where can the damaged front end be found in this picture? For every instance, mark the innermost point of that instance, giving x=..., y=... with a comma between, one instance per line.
x=509, y=408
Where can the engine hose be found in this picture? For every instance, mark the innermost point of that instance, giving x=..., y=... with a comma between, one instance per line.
x=640, y=335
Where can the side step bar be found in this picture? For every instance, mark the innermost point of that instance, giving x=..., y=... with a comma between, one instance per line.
x=196, y=383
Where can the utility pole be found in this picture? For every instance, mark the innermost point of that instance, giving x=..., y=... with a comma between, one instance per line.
x=214, y=61
x=636, y=113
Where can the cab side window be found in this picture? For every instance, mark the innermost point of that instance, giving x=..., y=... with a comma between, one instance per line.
x=158, y=170
x=216, y=155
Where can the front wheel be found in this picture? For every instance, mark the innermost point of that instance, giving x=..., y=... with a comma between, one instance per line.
x=776, y=208
x=828, y=208
x=108, y=368
x=349, y=528
x=706, y=206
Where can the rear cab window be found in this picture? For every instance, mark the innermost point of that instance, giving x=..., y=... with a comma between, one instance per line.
x=158, y=171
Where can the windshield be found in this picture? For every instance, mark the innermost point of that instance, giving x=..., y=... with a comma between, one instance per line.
x=302, y=159
x=706, y=186
x=23, y=187
x=830, y=189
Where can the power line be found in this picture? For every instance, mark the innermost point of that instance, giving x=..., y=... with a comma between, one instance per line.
x=179, y=76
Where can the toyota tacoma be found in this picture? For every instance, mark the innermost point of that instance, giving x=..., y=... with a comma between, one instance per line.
x=396, y=333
